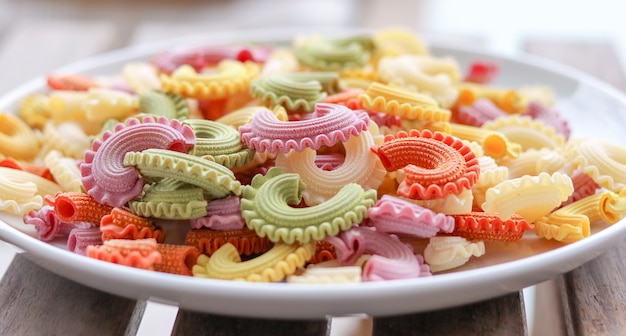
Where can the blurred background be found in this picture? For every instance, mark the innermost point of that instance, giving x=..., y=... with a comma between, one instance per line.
x=61, y=31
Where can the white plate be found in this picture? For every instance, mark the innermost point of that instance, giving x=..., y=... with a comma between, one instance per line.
x=593, y=109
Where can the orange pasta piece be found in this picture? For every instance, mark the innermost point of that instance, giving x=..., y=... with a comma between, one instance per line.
x=74, y=207
x=489, y=226
x=36, y=169
x=348, y=98
x=324, y=251
x=176, y=259
x=73, y=82
x=141, y=253
x=122, y=217
x=245, y=240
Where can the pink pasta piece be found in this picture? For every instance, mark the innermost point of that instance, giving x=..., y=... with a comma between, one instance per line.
x=384, y=119
x=47, y=224
x=201, y=57
x=481, y=111
x=391, y=258
x=329, y=124
x=329, y=161
x=584, y=186
x=140, y=253
x=550, y=117
x=482, y=72
x=81, y=237
x=222, y=214
x=104, y=175
x=395, y=215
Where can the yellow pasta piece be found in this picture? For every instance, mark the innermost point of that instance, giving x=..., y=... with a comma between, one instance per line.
x=68, y=138
x=68, y=105
x=35, y=110
x=428, y=75
x=603, y=161
x=449, y=205
x=104, y=104
x=490, y=175
x=533, y=162
x=531, y=197
x=18, y=196
x=538, y=93
x=444, y=253
x=399, y=41
x=327, y=275
x=231, y=77
x=494, y=144
x=17, y=139
x=527, y=132
x=360, y=166
x=507, y=99
x=65, y=171
x=274, y=265
x=44, y=186
x=141, y=77
x=403, y=103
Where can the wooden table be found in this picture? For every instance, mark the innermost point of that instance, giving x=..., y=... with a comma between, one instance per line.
x=34, y=301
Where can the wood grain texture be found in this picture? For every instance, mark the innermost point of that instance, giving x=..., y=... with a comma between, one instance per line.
x=35, y=301
x=500, y=316
x=192, y=323
x=593, y=295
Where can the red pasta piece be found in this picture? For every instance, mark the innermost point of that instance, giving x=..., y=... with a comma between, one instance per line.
x=245, y=240
x=482, y=72
x=584, y=186
x=71, y=82
x=122, y=217
x=176, y=259
x=489, y=226
x=78, y=207
x=132, y=231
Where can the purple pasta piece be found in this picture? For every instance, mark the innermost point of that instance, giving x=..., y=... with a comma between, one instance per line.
x=480, y=112
x=395, y=215
x=104, y=175
x=550, y=117
x=81, y=237
x=391, y=258
x=222, y=214
x=47, y=223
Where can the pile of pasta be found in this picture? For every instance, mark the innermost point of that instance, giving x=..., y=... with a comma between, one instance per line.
x=307, y=163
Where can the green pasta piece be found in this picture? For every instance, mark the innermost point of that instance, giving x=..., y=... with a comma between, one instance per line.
x=266, y=208
x=213, y=138
x=170, y=105
x=234, y=160
x=335, y=54
x=166, y=210
x=216, y=180
x=292, y=91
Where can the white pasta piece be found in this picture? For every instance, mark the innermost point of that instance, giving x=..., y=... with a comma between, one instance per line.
x=68, y=138
x=104, y=104
x=328, y=275
x=424, y=74
x=531, y=197
x=65, y=171
x=141, y=77
x=449, y=205
x=44, y=186
x=444, y=253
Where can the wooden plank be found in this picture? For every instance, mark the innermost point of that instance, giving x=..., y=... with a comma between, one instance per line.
x=500, y=316
x=192, y=323
x=592, y=295
x=35, y=301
